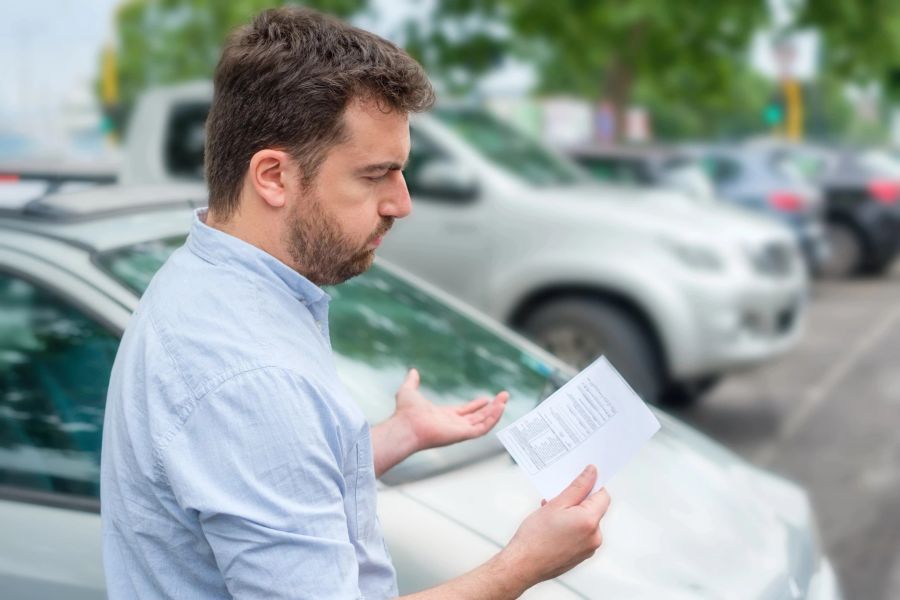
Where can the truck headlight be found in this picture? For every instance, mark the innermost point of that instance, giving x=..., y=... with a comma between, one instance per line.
x=695, y=255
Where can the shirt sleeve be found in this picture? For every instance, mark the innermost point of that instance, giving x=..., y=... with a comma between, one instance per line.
x=259, y=461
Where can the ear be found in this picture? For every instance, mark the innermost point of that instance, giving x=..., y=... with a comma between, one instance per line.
x=271, y=173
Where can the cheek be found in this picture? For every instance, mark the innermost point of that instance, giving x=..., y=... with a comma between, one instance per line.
x=358, y=223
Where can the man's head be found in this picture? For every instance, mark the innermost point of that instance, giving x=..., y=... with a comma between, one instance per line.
x=306, y=136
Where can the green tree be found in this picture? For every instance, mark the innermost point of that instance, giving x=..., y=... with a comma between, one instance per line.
x=657, y=50
x=861, y=43
x=167, y=41
x=861, y=39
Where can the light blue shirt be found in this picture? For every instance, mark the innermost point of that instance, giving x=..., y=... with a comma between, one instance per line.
x=234, y=462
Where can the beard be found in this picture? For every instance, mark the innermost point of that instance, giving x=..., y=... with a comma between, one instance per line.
x=322, y=252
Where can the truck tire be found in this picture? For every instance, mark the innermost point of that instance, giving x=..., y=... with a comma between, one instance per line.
x=578, y=330
x=880, y=266
x=847, y=251
x=684, y=394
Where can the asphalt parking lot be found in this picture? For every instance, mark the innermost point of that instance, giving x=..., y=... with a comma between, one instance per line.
x=827, y=416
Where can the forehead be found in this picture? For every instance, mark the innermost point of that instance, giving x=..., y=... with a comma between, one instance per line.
x=372, y=128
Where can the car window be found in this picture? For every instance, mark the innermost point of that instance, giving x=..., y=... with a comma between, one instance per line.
x=54, y=370
x=422, y=151
x=615, y=170
x=135, y=265
x=801, y=165
x=721, y=170
x=186, y=139
x=689, y=178
x=381, y=325
x=509, y=149
x=600, y=168
x=879, y=163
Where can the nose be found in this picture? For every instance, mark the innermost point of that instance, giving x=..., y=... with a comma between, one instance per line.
x=397, y=204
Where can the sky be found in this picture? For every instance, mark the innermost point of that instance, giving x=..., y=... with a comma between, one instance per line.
x=48, y=52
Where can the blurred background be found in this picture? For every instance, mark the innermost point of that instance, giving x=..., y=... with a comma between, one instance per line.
x=787, y=110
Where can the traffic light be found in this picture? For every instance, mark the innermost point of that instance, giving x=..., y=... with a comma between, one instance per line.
x=773, y=114
x=784, y=111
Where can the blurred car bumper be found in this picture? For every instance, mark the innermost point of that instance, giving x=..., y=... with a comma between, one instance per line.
x=745, y=324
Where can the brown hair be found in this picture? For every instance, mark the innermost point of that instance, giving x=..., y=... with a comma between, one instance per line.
x=284, y=80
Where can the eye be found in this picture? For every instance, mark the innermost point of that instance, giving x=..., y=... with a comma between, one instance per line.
x=378, y=178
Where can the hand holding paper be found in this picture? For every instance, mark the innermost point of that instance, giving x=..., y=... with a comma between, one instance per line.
x=595, y=418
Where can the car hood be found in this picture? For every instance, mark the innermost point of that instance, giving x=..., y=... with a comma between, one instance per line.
x=663, y=212
x=687, y=519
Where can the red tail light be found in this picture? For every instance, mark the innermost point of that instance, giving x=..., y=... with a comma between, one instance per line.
x=786, y=201
x=4, y=178
x=885, y=191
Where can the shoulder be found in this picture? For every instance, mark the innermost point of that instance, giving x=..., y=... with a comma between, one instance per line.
x=215, y=323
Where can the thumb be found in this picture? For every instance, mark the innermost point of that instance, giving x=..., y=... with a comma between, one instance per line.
x=579, y=489
x=412, y=379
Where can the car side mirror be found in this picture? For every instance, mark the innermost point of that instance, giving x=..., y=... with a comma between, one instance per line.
x=444, y=179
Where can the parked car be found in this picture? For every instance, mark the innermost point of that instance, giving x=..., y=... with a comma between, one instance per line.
x=689, y=518
x=862, y=204
x=646, y=166
x=676, y=295
x=750, y=178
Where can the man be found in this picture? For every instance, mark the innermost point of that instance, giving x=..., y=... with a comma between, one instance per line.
x=234, y=462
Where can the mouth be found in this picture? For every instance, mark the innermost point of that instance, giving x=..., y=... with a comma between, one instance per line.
x=379, y=235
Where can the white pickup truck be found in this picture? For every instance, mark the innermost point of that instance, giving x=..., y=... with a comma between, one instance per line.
x=675, y=294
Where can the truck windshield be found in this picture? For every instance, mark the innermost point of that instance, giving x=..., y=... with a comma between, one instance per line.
x=511, y=150
x=380, y=326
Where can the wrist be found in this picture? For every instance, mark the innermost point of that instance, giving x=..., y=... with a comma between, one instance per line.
x=510, y=567
x=403, y=435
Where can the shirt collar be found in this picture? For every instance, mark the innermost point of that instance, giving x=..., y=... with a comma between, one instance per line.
x=217, y=247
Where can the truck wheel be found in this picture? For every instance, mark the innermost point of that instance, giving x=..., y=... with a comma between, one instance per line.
x=579, y=330
x=687, y=393
x=880, y=267
x=847, y=251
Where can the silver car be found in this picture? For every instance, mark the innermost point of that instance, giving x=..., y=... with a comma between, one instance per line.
x=689, y=518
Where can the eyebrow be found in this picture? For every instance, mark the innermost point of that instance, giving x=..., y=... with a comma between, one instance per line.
x=384, y=166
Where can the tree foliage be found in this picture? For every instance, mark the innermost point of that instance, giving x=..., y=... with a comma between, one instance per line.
x=678, y=52
x=862, y=39
x=167, y=41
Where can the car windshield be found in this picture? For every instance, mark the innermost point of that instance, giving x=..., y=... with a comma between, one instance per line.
x=688, y=177
x=800, y=166
x=879, y=164
x=380, y=326
x=511, y=150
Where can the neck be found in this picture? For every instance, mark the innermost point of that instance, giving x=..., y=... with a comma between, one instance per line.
x=254, y=232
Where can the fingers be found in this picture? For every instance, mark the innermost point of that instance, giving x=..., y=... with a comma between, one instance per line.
x=597, y=503
x=474, y=405
x=489, y=415
x=481, y=402
x=412, y=379
x=578, y=489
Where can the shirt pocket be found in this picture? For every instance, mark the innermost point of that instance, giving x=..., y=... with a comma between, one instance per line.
x=364, y=484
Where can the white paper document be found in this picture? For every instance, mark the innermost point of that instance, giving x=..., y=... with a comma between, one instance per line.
x=595, y=418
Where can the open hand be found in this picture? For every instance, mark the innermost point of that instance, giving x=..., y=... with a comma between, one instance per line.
x=432, y=425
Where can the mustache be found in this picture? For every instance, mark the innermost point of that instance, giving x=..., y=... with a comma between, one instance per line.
x=382, y=230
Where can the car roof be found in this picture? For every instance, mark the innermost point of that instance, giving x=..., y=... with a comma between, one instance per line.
x=103, y=217
x=651, y=153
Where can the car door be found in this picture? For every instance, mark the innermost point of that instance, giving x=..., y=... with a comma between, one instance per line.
x=446, y=238
x=57, y=346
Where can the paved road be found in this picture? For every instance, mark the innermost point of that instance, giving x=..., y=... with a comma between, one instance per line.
x=827, y=415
